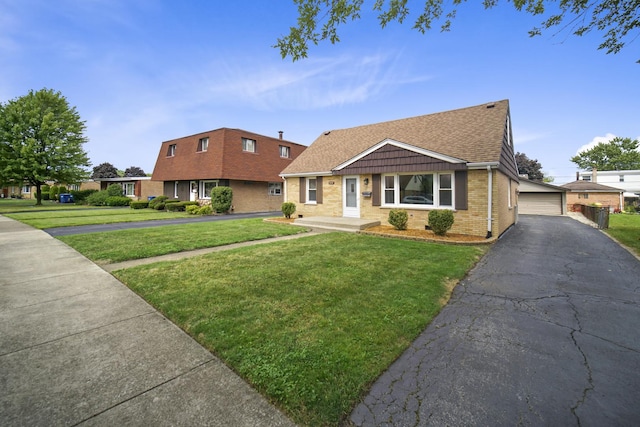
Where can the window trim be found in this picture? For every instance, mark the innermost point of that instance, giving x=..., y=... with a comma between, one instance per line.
x=203, y=144
x=175, y=189
x=308, y=189
x=287, y=150
x=436, y=191
x=126, y=186
x=275, y=189
x=202, y=187
x=245, y=147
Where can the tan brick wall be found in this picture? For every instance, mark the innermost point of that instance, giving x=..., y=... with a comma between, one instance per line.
x=605, y=199
x=472, y=221
x=254, y=197
x=150, y=188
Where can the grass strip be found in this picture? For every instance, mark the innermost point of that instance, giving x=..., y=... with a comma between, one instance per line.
x=77, y=217
x=123, y=245
x=626, y=229
x=311, y=323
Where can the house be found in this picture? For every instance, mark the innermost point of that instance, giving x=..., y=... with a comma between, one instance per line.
x=29, y=192
x=588, y=193
x=627, y=180
x=461, y=160
x=191, y=166
x=540, y=198
x=134, y=187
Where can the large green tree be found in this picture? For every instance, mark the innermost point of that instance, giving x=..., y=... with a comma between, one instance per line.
x=617, y=154
x=530, y=167
x=318, y=20
x=41, y=139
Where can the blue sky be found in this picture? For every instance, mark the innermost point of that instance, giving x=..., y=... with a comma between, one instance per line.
x=146, y=71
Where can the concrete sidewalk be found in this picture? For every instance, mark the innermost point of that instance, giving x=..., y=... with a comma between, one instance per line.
x=78, y=347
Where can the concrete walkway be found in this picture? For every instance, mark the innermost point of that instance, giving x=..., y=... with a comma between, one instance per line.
x=545, y=330
x=77, y=347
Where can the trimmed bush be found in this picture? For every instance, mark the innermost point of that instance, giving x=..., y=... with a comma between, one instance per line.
x=205, y=210
x=221, y=198
x=441, y=221
x=81, y=195
x=54, y=191
x=158, y=203
x=115, y=190
x=118, y=201
x=139, y=205
x=172, y=206
x=99, y=198
x=44, y=192
x=192, y=209
x=398, y=218
x=62, y=189
x=288, y=209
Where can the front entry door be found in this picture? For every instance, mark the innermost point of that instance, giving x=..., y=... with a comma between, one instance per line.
x=350, y=197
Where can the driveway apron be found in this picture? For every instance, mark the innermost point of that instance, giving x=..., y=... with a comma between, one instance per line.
x=77, y=347
x=545, y=330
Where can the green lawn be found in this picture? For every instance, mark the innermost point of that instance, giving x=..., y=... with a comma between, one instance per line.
x=69, y=218
x=29, y=205
x=123, y=245
x=626, y=229
x=312, y=322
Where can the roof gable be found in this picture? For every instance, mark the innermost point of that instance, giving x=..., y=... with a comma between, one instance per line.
x=590, y=187
x=471, y=135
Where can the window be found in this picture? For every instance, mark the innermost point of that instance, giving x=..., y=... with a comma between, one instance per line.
x=275, y=188
x=418, y=190
x=311, y=190
x=621, y=178
x=583, y=195
x=26, y=189
x=74, y=187
x=171, y=151
x=249, y=145
x=129, y=188
x=285, y=152
x=206, y=187
x=586, y=178
x=175, y=189
x=203, y=144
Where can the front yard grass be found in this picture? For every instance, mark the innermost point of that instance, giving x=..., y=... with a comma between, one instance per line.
x=311, y=323
x=70, y=218
x=123, y=245
x=29, y=205
x=626, y=229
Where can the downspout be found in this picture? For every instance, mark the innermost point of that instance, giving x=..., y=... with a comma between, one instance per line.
x=489, y=201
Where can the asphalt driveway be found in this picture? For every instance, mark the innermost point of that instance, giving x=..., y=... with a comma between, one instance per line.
x=544, y=331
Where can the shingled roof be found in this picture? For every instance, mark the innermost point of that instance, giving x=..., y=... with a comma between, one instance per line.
x=473, y=134
x=590, y=187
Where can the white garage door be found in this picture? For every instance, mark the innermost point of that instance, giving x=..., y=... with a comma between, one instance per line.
x=540, y=203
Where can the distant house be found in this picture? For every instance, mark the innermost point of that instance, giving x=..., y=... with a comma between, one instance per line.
x=588, y=193
x=191, y=166
x=136, y=188
x=29, y=192
x=626, y=180
x=460, y=160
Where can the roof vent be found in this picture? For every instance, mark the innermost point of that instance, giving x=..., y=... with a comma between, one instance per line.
x=327, y=132
x=491, y=105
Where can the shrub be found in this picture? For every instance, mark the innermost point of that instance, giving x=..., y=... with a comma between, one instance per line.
x=398, y=218
x=193, y=209
x=81, y=195
x=288, y=209
x=441, y=221
x=54, y=190
x=205, y=210
x=99, y=198
x=62, y=190
x=117, y=201
x=158, y=203
x=44, y=192
x=221, y=198
x=172, y=206
x=139, y=205
x=115, y=190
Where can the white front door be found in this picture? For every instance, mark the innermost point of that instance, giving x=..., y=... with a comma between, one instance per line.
x=351, y=197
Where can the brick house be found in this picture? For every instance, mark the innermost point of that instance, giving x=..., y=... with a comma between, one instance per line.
x=461, y=160
x=136, y=188
x=191, y=166
x=587, y=193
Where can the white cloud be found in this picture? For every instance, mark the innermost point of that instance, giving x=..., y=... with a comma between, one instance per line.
x=595, y=141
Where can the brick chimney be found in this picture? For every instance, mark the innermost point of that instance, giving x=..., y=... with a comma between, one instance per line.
x=594, y=175
x=280, y=133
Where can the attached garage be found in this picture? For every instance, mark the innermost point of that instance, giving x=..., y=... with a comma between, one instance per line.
x=538, y=198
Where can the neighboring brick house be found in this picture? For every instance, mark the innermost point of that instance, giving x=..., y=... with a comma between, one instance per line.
x=461, y=160
x=589, y=193
x=249, y=163
x=135, y=187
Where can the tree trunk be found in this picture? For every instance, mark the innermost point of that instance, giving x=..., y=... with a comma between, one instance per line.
x=38, y=194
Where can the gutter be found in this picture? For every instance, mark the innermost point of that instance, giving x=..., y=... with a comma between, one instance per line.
x=489, y=201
